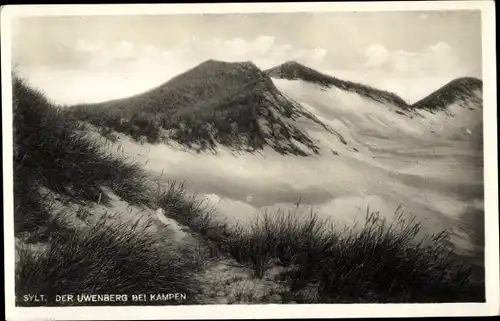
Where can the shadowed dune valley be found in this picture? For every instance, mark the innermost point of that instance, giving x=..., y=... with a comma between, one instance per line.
x=231, y=183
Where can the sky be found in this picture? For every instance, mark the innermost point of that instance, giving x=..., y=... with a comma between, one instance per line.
x=76, y=59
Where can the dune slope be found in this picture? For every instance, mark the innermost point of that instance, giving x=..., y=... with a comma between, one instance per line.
x=233, y=104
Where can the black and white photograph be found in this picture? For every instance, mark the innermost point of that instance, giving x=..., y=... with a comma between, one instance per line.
x=266, y=156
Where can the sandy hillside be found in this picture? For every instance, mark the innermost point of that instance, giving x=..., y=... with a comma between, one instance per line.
x=390, y=160
x=370, y=148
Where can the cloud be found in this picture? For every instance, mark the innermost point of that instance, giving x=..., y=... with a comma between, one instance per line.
x=263, y=44
x=264, y=50
x=110, y=70
x=377, y=56
x=437, y=60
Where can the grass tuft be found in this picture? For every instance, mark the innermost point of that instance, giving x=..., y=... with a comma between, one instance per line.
x=193, y=212
x=117, y=258
x=380, y=262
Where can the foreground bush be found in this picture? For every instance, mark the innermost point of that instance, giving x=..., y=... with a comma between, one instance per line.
x=116, y=258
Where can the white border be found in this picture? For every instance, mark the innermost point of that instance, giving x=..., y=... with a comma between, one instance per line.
x=491, y=307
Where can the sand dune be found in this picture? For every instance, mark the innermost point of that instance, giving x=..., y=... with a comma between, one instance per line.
x=390, y=155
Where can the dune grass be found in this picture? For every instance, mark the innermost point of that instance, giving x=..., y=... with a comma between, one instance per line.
x=117, y=258
x=54, y=151
x=458, y=90
x=191, y=211
x=379, y=261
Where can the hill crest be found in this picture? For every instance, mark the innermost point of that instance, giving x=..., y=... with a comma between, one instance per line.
x=230, y=103
x=293, y=70
x=460, y=89
x=237, y=105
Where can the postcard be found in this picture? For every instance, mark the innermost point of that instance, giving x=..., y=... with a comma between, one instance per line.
x=271, y=160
